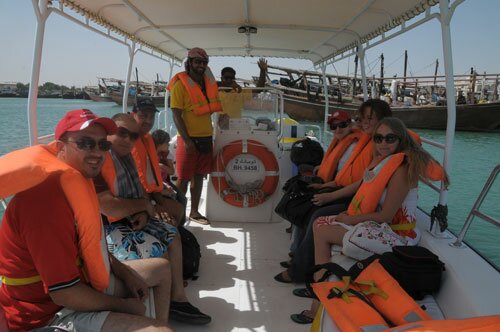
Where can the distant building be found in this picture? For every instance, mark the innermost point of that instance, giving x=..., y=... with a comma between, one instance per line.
x=8, y=88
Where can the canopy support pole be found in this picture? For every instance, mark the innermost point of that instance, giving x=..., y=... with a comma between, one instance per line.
x=132, y=50
x=42, y=12
x=167, y=94
x=444, y=19
x=361, y=56
x=327, y=102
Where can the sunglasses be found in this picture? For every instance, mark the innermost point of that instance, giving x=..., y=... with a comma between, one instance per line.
x=343, y=124
x=124, y=133
x=89, y=144
x=200, y=61
x=389, y=138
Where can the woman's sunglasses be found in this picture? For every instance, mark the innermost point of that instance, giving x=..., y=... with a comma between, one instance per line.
x=343, y=124
x=124, y=133
x=389, y=138
x=89, y=144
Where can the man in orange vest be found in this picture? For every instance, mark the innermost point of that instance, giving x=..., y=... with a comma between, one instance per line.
x=43, y=282
x=147, y=163
x=193, y=98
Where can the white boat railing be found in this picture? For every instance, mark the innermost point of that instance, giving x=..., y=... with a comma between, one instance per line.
x=475, y=212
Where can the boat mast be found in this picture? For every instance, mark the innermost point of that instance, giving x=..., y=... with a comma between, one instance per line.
x=381, y=88
x=495, y=90
x=435, y=76
x=132, y=50
x=472, y=98
x=404, y=77
x=356, y=59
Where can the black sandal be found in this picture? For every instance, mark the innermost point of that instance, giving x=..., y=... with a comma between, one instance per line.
x=301, y=318
x=303, y=292
x=280, y=278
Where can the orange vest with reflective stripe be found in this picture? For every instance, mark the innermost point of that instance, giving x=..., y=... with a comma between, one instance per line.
x=26, y=168
x=332, y=156
x=359, y=160
x=145, y=157
x=367, y=198
x=201, y=104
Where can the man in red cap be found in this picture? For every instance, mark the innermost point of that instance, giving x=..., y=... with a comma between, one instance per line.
x=193, y=98
x=48, y=277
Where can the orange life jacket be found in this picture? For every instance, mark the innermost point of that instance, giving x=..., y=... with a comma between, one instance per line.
x=145, y=157
x=396, y=306
x=335, y=151
x=369, y=193
x=359, y=160
x=200, y=104
x=350, y=313
x=476, y=324
x=26, y=168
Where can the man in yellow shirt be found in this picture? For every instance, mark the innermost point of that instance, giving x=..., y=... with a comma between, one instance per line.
x=193, y=98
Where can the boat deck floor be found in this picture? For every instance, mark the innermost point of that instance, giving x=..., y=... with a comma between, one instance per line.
x=236, y=285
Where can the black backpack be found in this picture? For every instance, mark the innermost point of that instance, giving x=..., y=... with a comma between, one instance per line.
x=191, y=254
x=306, y=151
x=417, y=270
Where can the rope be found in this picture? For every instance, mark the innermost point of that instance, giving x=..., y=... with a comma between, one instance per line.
x=440, y=213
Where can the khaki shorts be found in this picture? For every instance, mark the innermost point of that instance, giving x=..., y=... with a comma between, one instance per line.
x=79, y=321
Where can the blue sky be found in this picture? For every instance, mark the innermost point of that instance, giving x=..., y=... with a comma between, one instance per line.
x=75, y=56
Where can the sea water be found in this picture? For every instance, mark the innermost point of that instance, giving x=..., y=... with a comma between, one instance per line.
x=474, y=157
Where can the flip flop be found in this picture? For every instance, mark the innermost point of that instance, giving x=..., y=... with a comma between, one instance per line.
x=303, y=292
x=301, y=318
x=200, y=220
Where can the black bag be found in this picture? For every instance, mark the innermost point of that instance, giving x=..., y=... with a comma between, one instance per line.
x=417, y=270
x=203, y=144
x=191, y=254
x=306, y=151
x=295, y=205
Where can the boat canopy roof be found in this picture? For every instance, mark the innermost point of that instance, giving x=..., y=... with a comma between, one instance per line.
x=316, y=30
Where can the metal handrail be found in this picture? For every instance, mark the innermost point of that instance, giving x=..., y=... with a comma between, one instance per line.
x=46, y=137
x=474, y=212
x=433, y=143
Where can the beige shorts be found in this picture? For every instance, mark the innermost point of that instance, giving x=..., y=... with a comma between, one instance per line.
x=79, y=321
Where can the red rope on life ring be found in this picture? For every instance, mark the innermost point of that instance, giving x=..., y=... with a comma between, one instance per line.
x=230, y=151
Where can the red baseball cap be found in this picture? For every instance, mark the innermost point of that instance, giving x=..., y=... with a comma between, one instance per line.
x=77, y=120
x=339, y=115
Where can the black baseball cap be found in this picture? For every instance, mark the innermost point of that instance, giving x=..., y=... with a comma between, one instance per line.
x=144, y=104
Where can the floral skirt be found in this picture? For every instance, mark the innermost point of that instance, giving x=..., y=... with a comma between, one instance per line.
x=152, y=241
x=368, y=238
